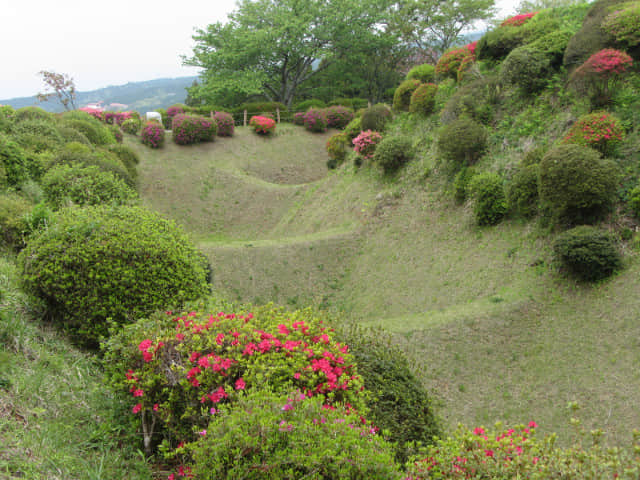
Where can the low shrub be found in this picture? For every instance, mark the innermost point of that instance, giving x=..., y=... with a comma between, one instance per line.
x=315, y=120
x=425, y=73
x=489, y=201
x=338, y=116
x=461, y=183
x=365, y=143
x=192, y=129
x=101, y=266
x=462, y=142
x=290, y=437
x=392, y=153
x=337, y=147
x=262, y=125
x=298, y=118
x=634, y=201
x=476, y=99
x=353, y=129
x=553, y=45
x=587, y=253
x=307, y=104
x=527, y=68
x=131, y=126
x=152, y=135
x=14, y=161
x=225, y=124
x=601, y=131
x=522, y=191
x=376, y=117
x=423, y=99
x=576, y=185
x=95, y=131
x=352, y=103
x=402, y=95
x=129, y=159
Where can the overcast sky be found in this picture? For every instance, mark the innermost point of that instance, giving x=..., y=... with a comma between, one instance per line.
x=105, y=43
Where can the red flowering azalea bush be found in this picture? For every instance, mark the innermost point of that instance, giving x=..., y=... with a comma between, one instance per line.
x=599, y=74
x=365, y=143
x=518, y=20
x=338, y=116
x=262, y=125
x=179, y=369
x=315, y=120
x=191, y=129
x=152, y=135
x=298, y=118
x=455, y=62
x=225, y=124
x=599, y=130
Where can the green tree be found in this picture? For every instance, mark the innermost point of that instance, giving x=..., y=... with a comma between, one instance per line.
x=272, y=47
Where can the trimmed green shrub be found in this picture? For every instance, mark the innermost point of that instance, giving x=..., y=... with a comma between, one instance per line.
x=423, y=99
x=337, y=147
x=72, y=135
x=13, y=225
x=392, y=153
x=97, y=132
x=522, y=191
x=575, y=185
x=527, y=68
x=553, y=45
x=261, y=108
x=32, y=113
x=37, y=135
x=352, y=103
x=128, y=157
x=315, y=120
x=475, y=99
x=376, y=117
x=338, y=116
x=462, y=142
x=461, y=183
x=307, y=104
x=225, y=123
x=290, y=438
x=402, y=95
x=353, y=129
x=131, y=126
x=425, y=73
x=97, y=266
x=497, y=43
x=14, y=161
x=65, y=185
x=192, y=129
x=601, y=131
x=533, y=156
x=587, y=253
x=152, y=135
x=489, y=201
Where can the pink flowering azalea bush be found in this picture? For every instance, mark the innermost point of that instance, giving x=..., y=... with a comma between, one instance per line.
x=298, y=118
x=152, y=135
x=599, y=130
x=599, y=74
x=175, y=110
x=192, y=129
x=262, y=125
x=180, y=369
x=225, y=124
x=315, y=120
x=518, y=20
x=338, y=116
x=365, y=143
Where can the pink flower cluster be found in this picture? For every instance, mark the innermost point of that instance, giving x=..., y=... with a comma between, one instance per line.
x=152, y=135
x=365, y=143
x=191, y=129
x=225, y=123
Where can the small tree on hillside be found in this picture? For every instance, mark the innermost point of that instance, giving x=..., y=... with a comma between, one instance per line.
x=62, y=86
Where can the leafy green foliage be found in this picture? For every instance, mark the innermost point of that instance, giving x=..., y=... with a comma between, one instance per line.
x=64, y=185
x=307, y=104
x=634, y=201
x=496, y=44
x=423, y=99
x=462, y=142
x=376, y=117
x=13, y=225
x=70, y=134
x=522, y=191
x=32, y=113
x=623, y=24
x=528, y=68
x=425, y=73
x=337, y=147
x=353, y=129
x=587, y=253
x=13, y=159
x=393, y=152
x=477, y=99
x=37, y=135
x=131, y=126
x=278, y=437
x=402, y=95
x=97, y=132
x=98, y=265
x=489, y=202
x=129, y=159
x=553, y=45
x=461, y=183
x=576, y=185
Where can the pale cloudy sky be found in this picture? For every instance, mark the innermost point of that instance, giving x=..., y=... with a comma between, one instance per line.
x=105, y=43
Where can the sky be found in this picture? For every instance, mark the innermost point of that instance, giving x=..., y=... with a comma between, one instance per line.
x=99, y=44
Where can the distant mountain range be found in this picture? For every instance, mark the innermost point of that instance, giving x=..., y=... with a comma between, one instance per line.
x=141, y=96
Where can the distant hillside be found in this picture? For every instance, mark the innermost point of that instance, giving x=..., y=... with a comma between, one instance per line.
x=140, y=96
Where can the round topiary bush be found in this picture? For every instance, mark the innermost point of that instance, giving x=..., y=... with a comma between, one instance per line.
x=587, y=253
x=152, y=135
x=337, y=147
x=601, y=131
x=72, y=135
x=376, y=117
x=131, y=126
x=489, y=201
x=225, y=123
x=37, y=135
x=338, y=116
x=527, y=68
x=576, y=185
x=423, y=99
x=522, y=191
x=65, y=185
x=14, y=161
x=101, y=265
x=392, y=153
x=315, y=120
x=553, y=45
x=95, y=131
x=32, y=113
x=425, y=73
x=262, y=125
x=192, y=129
x=402, y=95
x=462, y=142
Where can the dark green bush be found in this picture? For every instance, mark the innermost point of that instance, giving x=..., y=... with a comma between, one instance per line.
x=425, y=73
x=13, y=210
x=97, y=132
x=376, y=118
x=72, y=135
x=461, y=183
x=587, y=253
x=489, y=202
x=576, y=186
x=522, y=191
x=423, y=99
x=353, y=129
x=402, y=95
x=128, y=157
x=352, y=103
x=496, y=44
x=462, y=142
x=260, y=108
x=533, y=156
x=37, y=135
x=393, y=152
x=553, y=45
x=14, y=161
x=337, y=147
x=307, y=104
x=527, y=68
x=100, y=265
x=475, y=99
x=65, y=185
